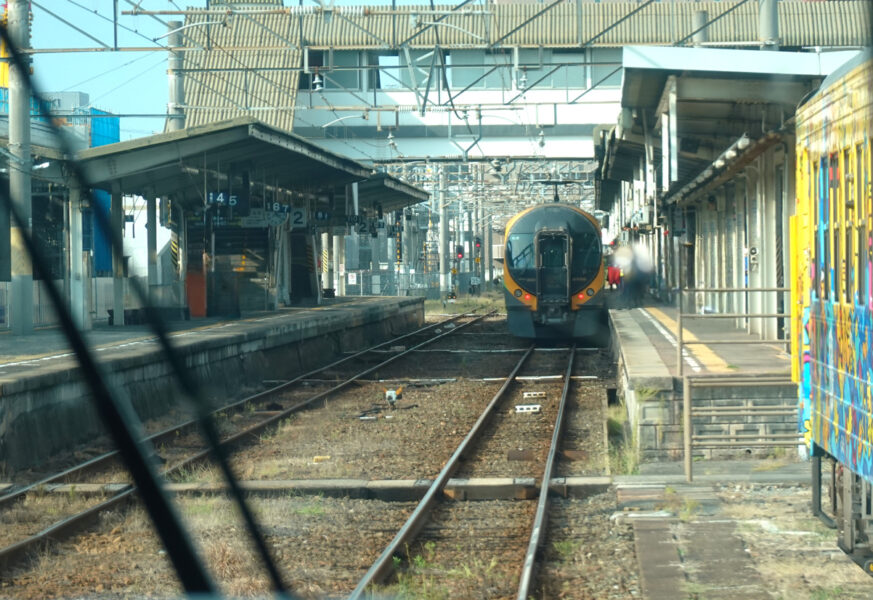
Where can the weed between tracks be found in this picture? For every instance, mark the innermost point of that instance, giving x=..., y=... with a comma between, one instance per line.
x=421, y=578
x=623, y=453
x=492, y=300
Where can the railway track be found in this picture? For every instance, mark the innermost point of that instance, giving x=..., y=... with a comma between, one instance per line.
x=446, y=386
x=498, y=430
x=187, y=454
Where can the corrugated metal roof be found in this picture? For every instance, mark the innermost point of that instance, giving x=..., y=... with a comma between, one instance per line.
x=236, y=87
x=271, y=95
x=833, y=23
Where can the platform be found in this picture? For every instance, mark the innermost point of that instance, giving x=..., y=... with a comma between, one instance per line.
x=44, y=398
x=645, y=345
x=647, y=336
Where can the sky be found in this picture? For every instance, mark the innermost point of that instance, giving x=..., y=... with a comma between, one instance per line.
x=120, y=82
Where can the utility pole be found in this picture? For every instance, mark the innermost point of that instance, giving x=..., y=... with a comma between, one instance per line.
x=444, y=234
x=176, y=87
x=19, y=171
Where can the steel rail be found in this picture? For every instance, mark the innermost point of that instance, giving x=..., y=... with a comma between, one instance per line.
x=540, y=521
x=14, y=554
x=384, y=564
x=69, y=526
x=170, y=432
x=251, y=431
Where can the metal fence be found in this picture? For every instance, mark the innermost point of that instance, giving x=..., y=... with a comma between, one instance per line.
x=750, y=422
x=681, y=343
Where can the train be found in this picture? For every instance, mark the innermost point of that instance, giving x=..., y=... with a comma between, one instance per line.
x=553, y=274
x=832, y=289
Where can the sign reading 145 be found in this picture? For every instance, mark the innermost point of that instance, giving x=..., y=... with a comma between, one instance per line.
x=222, y=198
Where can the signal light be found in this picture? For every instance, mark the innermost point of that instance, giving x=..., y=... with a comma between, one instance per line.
x=459, y=250
x=478, y=243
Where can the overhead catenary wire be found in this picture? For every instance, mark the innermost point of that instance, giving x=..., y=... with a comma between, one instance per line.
x=126, y=81
x=106, y=72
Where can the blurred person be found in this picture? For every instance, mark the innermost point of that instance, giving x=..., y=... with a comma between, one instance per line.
x=636, y=274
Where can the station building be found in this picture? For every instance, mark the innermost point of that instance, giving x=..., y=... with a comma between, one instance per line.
x=699, y=170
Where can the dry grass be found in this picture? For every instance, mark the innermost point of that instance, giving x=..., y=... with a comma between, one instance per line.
x=37, y=511
x=492, y=300
x=793, y=551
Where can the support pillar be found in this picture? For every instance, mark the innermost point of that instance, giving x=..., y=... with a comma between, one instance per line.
x=116, y=220
x=768, y=24
x=445, y=286
x=468, y=240
x=702, y=36
x=339, y=283
x=489, y=250
x=182, y=249
x=152, y=246
x=480, y=235
x=79, y=260
x=21, y=301
x=325, y=260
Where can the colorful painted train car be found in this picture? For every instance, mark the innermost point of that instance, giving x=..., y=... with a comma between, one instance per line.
x=832, y=293
x=553, y=274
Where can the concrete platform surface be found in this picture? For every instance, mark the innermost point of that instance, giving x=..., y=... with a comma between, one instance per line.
x=659, y=324
x=22, y=354
x=46, y=406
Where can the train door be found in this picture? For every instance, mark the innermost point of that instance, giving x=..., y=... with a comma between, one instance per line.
x=553, y=275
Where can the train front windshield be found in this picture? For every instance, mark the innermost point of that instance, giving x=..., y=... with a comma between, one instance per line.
x=520, y=255
x=521, y=259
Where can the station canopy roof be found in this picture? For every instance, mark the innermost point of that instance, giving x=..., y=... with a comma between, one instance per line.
x=721, y=96
x=184, y=164
x=390, y=192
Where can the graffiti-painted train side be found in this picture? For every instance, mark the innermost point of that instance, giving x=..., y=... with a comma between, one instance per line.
x=832, y=293
x=832, y=254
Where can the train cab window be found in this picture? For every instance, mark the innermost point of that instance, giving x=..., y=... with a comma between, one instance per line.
x=521, y=259
x=520, y=251
x=553, y=252
x=587, y=256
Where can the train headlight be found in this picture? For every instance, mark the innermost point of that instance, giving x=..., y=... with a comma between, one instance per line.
x=581, y=296
x=590, y=291
x=518, y=293
x=527, y=296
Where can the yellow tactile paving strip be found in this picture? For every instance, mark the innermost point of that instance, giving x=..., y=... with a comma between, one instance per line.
x=704, y=354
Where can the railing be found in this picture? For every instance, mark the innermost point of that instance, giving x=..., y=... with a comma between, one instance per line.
x=681, y=343
x=745, y=415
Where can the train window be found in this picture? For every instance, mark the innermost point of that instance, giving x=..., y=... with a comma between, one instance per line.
x=861, y=216
x=836, y=260
x=553, y=252
x=825, y=235
x=587, y=258
x=520, y=251
x=848, y=233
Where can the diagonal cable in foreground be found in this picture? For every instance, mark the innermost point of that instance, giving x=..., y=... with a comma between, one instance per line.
x=116, y=413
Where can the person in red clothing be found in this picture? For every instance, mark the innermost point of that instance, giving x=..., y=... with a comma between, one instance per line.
x=613, y=276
